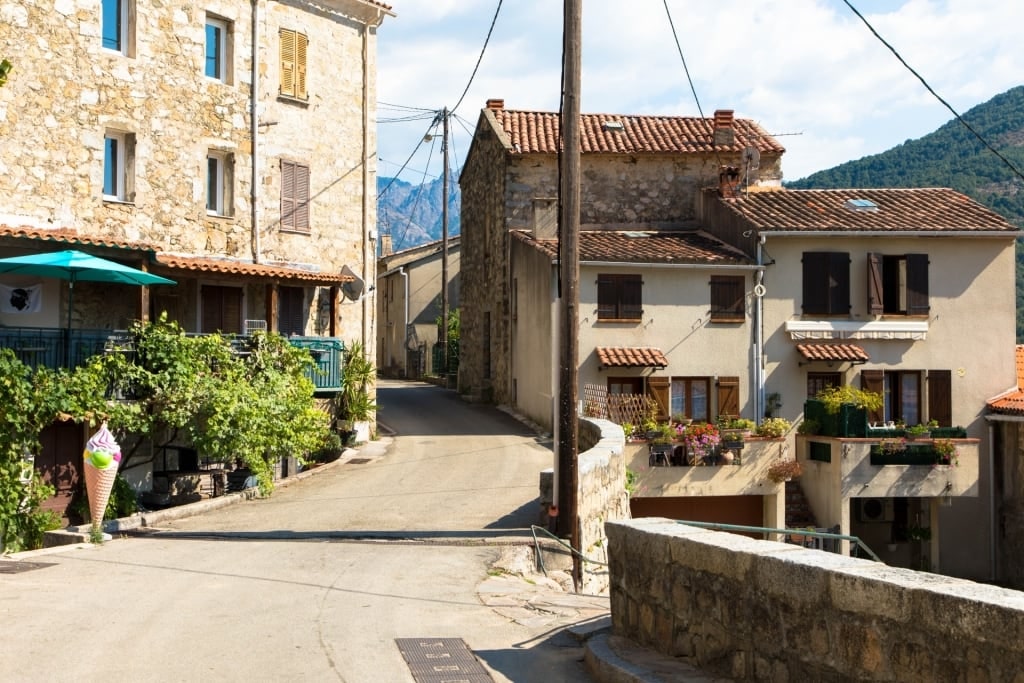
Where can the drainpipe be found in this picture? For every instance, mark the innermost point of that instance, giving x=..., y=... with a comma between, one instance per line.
x=993, y=535
x=405, y=285
x=759, y=334
x=253, y=131
x=366, y=183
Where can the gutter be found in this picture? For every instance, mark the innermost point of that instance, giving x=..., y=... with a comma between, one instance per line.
x=906, y=234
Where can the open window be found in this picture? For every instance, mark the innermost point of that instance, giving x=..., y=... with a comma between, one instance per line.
x=898, y=284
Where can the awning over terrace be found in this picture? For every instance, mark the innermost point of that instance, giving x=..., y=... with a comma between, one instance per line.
x=631, y=357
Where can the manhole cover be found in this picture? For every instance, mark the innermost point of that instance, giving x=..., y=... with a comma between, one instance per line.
x=358, y=461
x=17, y=567
x=441, y=660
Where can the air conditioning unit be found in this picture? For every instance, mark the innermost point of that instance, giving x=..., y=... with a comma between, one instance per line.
x=875, y=510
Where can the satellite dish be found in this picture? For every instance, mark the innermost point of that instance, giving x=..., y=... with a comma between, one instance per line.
x=352, y=289
x=751, y=158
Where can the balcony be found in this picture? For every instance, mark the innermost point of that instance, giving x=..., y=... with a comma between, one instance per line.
x=45, y=347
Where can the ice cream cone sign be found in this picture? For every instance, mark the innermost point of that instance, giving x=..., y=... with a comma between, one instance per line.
x=102, y=456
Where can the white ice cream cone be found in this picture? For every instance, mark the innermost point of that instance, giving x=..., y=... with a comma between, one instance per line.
x=98, y=485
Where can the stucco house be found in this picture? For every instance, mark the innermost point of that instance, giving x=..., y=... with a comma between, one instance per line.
x=229, y=147
x=725, y=294
x=409, y=284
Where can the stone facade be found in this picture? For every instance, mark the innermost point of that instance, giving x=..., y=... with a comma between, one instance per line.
x=67, y=92
x=759, y=610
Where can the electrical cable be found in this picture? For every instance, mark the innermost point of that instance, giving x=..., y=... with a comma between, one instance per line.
x=416, y=201
x=481, y=57
x=959, y=118
x=416, y=149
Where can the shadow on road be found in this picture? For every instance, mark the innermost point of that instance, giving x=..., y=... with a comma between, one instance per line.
x=401, y=407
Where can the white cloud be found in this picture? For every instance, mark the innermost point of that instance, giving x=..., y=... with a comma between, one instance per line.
x=799, y=66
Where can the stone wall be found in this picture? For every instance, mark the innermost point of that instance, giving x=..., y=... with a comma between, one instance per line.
x=602, y=495
x=749, y=609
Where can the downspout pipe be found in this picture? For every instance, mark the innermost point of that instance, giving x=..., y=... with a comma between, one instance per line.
x=366, y=227
x=253, y=133
x=759, y=397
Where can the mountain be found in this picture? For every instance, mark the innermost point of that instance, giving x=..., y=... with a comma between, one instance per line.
x=953, y=157
x=413, y=213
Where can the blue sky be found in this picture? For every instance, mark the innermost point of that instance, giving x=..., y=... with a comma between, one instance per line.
x=808, y=70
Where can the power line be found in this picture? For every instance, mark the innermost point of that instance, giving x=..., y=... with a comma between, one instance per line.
x=419, y=194
x=416, y=149
x=959, y=118
x=480, y=58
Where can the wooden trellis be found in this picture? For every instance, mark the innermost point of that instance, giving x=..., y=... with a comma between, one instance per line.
x=619, y=408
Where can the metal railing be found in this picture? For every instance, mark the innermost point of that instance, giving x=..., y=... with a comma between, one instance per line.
x=855, y=542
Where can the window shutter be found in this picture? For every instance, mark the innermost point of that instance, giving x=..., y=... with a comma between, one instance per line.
x=605, y=298
x=815, y=293
x=658, y=389
x=287, y=194
x=301, y=198
x=232, y=320
x=288, y=57
x=874, y=380
x=729, y=396
x=301, y=44
x=222, y=309
x=632, y=297
x=291, y=319
x=940, y=397
x=727, y=298
x=875, y=289
x=839, y=283
x=917, y=284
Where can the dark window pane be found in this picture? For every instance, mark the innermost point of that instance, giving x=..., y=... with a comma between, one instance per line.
x=110, y=169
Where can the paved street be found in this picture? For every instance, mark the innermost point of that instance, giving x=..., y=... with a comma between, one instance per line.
x=319, y=580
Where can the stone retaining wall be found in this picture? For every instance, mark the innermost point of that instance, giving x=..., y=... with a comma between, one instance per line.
x=750, y=609
x=602, y=495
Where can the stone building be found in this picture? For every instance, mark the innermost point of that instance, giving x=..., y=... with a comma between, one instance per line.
x=228, y=146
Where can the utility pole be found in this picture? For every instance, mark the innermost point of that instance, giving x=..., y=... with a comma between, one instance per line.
x=569, y=266
x=444, y=248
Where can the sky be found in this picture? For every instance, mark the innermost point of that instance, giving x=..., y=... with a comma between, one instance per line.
x=808, y=71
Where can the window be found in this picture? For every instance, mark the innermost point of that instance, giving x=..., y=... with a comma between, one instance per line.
x=826, y=283
x=291, y=317
x=904, y=393
x=619, y=297
x=819, y=381
x=625, y=385
x=222, y=309
x=118, y=166
x=218, y=44
x=116, y=24
x=691, y=397
x=219, y=181
x=294, y=196
x=293, y=64
x=898, y=285
x=727, y=299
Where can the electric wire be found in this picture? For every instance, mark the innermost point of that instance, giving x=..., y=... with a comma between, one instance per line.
x=959, y=118
x=416, y=149
x=416, y=200
x=481, y=57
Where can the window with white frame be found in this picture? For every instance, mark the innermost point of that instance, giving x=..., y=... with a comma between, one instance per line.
x=219, y=178
x=118, y=166
x=117, y=25
x=218, y=48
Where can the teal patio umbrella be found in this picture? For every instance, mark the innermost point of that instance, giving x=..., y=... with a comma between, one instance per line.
x=76, y=266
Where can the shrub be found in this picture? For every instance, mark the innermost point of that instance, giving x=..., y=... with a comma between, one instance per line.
x=774, y=427
x=784, y=470
x=833, y=397
x=808, y=427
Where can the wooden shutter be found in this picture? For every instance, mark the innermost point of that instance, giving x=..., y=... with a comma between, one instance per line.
x=917, y=284
x=826, y=283
x=288, y=59
x=606, y=297
x=839, y=283
x=874, y=380
x=287, y=194
x=729, y=396
x=301, y=45
x=302, y=198
x=815, y=272
x=876, y=305
x=222, y=309
x=727, y=298
x=940, y=397
x=294, y=196
x=292, y=318
x=632, y=297
x=658, y=389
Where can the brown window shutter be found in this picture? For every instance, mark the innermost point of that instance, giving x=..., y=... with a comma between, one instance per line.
x=729, y=396
x=287, y=194
x=302, y=198
x=875, y=302
x=839, y=283
x=632, y=297
x=940, y=397
x=606, y=297
x=727, y=298
x=222, y=309
x=658, y=389
x=288, y=59
x=917, y=284
x=815, y=274
x=291, y=319
x=874, y=380
x=301, y=44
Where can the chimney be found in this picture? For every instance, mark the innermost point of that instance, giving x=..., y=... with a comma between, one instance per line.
x=495, y=104
x=728, y=181
x=725, y=134
x=385, y=244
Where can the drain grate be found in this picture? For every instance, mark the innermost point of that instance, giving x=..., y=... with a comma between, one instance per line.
x=17, y=566
x=441, y=660
x=358, y=461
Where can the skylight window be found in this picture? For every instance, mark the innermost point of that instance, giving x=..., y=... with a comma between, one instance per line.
x=613, y=125
x=861, y=205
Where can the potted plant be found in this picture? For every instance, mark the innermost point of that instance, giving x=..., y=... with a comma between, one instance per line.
x=945, y=452
x=892, y=445
x=700, y=439
x=835, y=397
x=774, y=427
x=918, y=431
x=808, y=427
x=355, y=407
x=784, y=470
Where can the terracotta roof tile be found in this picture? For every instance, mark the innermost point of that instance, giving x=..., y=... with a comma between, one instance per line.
x=631, y=357
x=537, y=132
x=833, y=352
x=70, y=236
x=261, y=270
x=898, y=210
x=645, y=246
x=1012, y=402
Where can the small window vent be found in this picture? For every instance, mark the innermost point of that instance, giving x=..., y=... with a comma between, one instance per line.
x=861, y=205
x=613, y=125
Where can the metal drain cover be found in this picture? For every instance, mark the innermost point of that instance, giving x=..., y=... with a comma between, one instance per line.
x=441, y=660
x=358, y=461
x=17, y=566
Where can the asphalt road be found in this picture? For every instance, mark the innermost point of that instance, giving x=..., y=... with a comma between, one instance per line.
x=315, y=582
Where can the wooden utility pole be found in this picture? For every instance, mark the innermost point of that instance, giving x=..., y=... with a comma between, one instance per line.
x=444, y=249
x=569, y=268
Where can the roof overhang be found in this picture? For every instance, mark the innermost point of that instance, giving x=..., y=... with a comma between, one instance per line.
x=630, y=357
x=832, y=353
